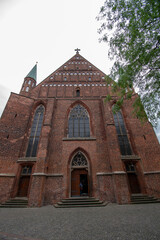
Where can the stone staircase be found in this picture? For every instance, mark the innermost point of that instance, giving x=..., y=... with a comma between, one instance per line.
x=76, y=202
x=143, y=199
x=15, y=203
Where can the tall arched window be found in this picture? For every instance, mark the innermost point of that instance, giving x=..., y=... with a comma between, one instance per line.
x=78, y=124
x=124, y=144
x=35, y=132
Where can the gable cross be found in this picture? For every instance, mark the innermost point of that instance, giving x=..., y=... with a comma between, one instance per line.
x=77, y=50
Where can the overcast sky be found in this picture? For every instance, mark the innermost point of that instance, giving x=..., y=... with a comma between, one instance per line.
x=47, y=32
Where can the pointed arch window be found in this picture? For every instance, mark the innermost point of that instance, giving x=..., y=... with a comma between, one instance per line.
x=124, y=144
x=35, y=132
x=78, y=124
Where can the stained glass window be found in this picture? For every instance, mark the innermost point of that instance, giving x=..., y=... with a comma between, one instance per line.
x=78, y=123
x=124, y=144
x=79, y=160
x=35, y=132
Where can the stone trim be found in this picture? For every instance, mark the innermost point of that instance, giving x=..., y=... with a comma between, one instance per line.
x=111, y=173
x=79, y=139
x=152, y=172
x=48, y=175
x=39, y=174
x=7, y=175
x=27, y=159
x=130, y=157
x=54, y=175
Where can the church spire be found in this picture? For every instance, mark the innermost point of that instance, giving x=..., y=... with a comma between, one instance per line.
x=29, y=81
x=33, y=73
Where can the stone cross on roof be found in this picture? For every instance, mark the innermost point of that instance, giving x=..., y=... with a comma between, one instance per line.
x=77, y=50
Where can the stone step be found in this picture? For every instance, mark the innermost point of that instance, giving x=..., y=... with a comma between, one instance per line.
x=80, y=202
x=15, y=203
x=23, y=202
x=145, y=202
x=143, y=199
x=13, y=206
x=81, y=205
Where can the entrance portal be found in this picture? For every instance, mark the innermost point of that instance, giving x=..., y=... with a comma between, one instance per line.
x=79, y=182
x=132, y=178
x=79, y=176
x=24, y=181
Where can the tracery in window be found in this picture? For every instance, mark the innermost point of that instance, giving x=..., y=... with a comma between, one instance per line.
x=124, y=144
x=78, y=123
x=79, y=160
x=35, y=132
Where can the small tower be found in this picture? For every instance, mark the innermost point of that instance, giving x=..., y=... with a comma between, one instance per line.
x=29, y=81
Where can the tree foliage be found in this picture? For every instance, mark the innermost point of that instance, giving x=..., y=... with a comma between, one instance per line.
x=132, y=30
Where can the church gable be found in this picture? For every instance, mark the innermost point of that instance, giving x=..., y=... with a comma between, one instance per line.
x=76, y=69
x=77, y=72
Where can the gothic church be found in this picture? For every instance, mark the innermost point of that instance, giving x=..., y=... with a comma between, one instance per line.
x=61, y=134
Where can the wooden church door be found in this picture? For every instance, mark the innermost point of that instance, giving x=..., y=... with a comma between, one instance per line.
x=132, y=178
x=24, y=181
x=77, y=176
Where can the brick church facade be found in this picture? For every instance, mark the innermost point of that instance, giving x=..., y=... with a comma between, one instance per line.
x=60, y=134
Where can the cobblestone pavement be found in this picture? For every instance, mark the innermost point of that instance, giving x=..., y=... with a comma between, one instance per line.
x=113, y=222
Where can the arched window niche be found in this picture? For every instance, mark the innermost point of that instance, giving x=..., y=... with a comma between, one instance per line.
x=35, y=132
x=124, y=143
x=78, y=123
x=79, y=160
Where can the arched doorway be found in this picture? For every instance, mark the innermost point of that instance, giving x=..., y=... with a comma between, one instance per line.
x=79, y=175
x=132, y=178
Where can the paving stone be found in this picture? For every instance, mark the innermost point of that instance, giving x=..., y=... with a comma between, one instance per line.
x=113, y=222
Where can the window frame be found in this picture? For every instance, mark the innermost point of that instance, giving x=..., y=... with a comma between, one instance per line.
x=79, y=122
x=35, y=132
x=124, y=143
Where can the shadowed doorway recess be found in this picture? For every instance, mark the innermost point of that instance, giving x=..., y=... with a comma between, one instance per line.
x=79, y=176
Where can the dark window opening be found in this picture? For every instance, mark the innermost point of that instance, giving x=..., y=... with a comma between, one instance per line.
x=130, y=167
x=78, y=123
x=77, y=93
x=35, y=132
x=7, y=136
x=124, y=144
x=26, y=170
